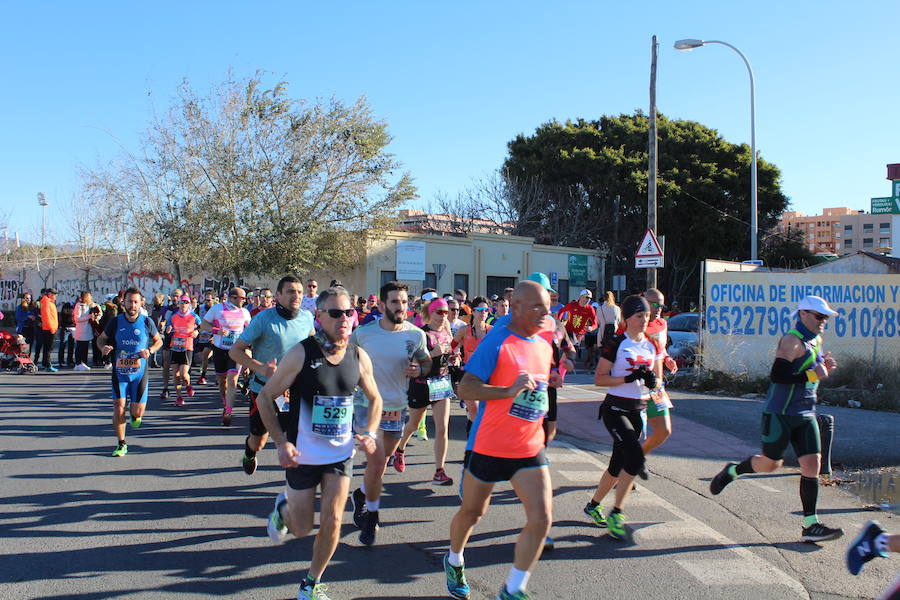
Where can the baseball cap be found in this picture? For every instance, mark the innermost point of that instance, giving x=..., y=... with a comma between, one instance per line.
x=585, y=293
x=51, y=291
x=542, y=279
x=373, y=297
x=429, y=295
x=185, y=299
x=817, y=304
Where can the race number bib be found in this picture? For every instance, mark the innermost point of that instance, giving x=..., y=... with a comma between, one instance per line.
x=439, y=388
x=283, y=404
x=229, y=337
x=392, y=420
x=661, y=400
x=204, y=337
x=531, y=405
x=128, y=364
x=179, y=344
x=332, y=416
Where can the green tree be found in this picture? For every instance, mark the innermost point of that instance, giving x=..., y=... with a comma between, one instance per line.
x=787, y=250
x=250, y=180
x=581, y=167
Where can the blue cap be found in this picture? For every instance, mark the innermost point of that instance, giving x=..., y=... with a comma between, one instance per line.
x=542, y=279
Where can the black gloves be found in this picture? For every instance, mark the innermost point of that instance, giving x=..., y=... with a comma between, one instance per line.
x=644, y=373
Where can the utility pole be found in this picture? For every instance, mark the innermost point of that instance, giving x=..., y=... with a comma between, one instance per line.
x=615, y=244
x=651, y=167
x=42, y=202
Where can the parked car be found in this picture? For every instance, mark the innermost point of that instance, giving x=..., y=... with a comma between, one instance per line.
x=684, y=338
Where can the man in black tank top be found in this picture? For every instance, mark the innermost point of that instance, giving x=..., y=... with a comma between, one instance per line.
x=317, y=449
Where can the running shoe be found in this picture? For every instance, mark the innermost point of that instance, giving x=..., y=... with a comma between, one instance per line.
x=190, y=390
x=520, y=595
x=226, y=416
x=863, y=549
x=201, y=381
x=136, y=422
x=390, y=461
x=164, y=394
x=315, y=591
x=422, y=431
x=51, y=369
x=441, y=478
x=456, y=580
x=359, y=507
x=549, y=544
x=615, y=524
x=722, y=479
x=818, y=532
x=596, y=513
x=179, y=400
x=121, y=450
x=399, y=461
x=369, y=527
x=278, y=531
x=249, y=464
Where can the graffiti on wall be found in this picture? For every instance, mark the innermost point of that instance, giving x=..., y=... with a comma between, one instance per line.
x=156, y=282
x=221, y=285
x=100, y=287
x=9, y=294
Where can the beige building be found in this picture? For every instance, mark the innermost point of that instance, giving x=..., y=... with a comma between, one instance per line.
x=869, y=233
x=822, y=234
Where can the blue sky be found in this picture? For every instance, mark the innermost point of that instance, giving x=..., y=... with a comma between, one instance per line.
x=456, y=81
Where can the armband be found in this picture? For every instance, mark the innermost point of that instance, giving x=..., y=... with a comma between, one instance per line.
x=782, y=372
x=812, y=376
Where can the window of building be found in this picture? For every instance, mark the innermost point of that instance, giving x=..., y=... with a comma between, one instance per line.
x=496, y=285
x=837, y=246
x=884, y=228
x=430, y=281
x=837, y=234
x=868, y=243
x=812, y=226
x=387, y=276
x=868, y=227
x=461, y=282
x=884, y=242
x=562, y=286
x=848, y=243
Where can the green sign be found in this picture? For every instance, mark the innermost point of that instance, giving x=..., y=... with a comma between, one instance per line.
x=578, y=274
x=886, y=206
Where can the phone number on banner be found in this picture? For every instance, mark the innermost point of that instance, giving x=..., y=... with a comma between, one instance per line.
x=772, y=320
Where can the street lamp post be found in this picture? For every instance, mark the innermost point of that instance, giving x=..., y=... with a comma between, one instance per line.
x=42, y=202
x=690, y=44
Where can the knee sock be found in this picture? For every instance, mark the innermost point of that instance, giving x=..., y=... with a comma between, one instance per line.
x=809, y=495
x=373, y=505
x=250, y=453
x=517, y=580
x=742, y=468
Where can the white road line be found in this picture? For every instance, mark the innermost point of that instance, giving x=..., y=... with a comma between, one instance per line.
x=765, y=572
x=592, y=476
x=722, y=572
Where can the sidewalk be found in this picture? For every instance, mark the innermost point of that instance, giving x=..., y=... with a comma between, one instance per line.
x=579, y=401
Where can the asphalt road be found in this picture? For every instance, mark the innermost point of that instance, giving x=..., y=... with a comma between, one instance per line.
x=178, y=519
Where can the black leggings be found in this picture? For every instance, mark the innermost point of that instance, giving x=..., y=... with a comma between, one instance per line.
x=625, y=427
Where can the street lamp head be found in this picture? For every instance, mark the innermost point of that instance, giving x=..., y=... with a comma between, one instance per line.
x=688, y=45
x=42, y=199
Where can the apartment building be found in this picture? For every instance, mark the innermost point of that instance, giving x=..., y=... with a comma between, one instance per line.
x=822, y=234
x=869, y=233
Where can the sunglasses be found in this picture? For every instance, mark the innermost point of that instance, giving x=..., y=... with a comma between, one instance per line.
x=818, y=316
x=482, y=309
x=312, y=287
x=657, y=305
x=266, y=296
x=441, y=312
x=335, y=313
x=454, y=310
x=184, y=302
x=237, y=296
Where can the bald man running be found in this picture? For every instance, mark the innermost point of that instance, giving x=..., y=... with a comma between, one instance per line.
x=508, y=375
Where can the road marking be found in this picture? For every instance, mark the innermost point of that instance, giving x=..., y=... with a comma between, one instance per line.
x=559, y=456
x=667, y=530
x=592, y=476
x=762, y=486
x=751, y=566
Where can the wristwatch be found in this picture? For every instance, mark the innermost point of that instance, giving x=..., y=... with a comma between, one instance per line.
x=370, y=434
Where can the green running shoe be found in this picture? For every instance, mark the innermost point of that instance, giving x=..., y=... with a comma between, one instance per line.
x=456, y=580
x=616, y=524
x=135, y=422
x=596, y=513
x=313, y=592
x=520, y=595
x=422, y=431
x=121, y=450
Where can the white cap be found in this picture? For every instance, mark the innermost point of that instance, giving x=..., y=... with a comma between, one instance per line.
x=585, y=293
x=429, y=295
x=816, y=304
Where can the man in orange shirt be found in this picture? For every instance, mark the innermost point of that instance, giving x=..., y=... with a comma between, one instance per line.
x=49, y=325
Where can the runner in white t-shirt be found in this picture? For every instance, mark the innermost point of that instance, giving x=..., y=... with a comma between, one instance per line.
x=226, y=321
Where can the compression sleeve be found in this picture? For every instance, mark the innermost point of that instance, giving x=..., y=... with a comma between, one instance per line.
x=782, y=372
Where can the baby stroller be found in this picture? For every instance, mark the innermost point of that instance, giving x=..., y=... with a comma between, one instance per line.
x=14, y=354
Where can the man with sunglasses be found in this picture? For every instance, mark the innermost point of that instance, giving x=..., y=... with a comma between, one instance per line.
x=227, y=321
x=265, y=299
x=790, y=414
x=312, y=293
x=317, y=448
x=401, y=354
x=270, y=334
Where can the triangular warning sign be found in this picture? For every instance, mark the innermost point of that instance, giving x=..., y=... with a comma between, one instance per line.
x=649, y=246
